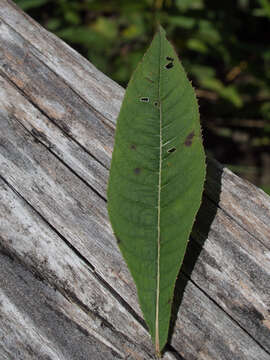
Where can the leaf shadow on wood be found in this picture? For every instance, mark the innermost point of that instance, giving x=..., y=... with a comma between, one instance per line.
x=199, y=234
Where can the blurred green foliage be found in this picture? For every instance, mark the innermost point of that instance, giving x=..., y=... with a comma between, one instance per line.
x=224, y=47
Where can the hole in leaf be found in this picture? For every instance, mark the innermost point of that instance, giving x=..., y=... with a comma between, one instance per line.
x=156, y=103
x=137, y=171
x=169, y=58
x=170, y=151
x=144, y=99
x=169, y=65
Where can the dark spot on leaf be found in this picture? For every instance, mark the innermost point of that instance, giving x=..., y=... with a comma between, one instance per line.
x=144, y=99
x=156, y=103
x=133, y=146
x=169, y=65
x=137, y=171
x=189, y=138
x=169, y=58
x=171, y=150
x=169, y=301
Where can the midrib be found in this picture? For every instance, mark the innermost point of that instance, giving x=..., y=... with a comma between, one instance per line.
x=159, y=191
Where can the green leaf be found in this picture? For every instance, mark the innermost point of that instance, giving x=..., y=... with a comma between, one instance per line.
x=182, y=21
x=106, y=27
x=197, y=45
x=187, y=4
x=27, y=5
x=156, y=179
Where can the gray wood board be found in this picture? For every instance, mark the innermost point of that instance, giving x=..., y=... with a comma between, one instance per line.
x=38, y=322
x=57, y=120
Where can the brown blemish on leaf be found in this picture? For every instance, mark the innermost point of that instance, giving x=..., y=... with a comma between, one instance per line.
x=156, y=103
x=169, y=301
x=133, y=147
x=149, y=79
x=137, y=171
x=189, y=138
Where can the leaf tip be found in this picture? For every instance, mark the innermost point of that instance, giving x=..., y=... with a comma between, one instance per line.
x=161, y=30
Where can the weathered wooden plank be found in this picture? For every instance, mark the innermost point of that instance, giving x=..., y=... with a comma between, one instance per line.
x=49, y=134
x=246, y=204
x=19, y=61
x=248, y=214
x=34, y=126
x=53, y=202
x=225, y=272
x=230, y=198
x=52, y=259
x=45, y=184
x=67, y=203
x=82, y=298
x=38, y=322
x=90, y=83
x=84, y=78
x=233, y=268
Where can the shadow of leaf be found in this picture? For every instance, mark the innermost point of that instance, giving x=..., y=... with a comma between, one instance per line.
x=199, y=235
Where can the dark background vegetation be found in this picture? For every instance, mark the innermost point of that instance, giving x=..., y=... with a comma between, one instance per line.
x=223, y=45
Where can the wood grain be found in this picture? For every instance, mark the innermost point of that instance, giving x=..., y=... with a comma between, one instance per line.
x=57, y=120
x=38, y=322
